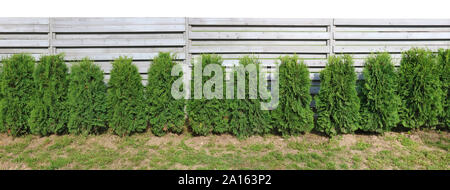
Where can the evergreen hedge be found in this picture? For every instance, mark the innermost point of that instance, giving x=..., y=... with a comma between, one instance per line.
x=293, y=114
x=17, y=88
x=444, y=65
x=86, y=99
x=49, y=110
x=164, y=112
x=419, y=89
x=125, y=98
x=379, y=98
x=206, y=115
x=337, y=103
x=245, y=115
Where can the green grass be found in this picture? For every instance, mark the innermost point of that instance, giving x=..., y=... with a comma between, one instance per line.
x=416, y=150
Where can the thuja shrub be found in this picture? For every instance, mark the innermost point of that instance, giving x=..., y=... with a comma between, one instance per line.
x=419, y=89
x=86, y=99
x=49, y=110
x=379, y=98
x=246, y=116
x=206, y=115
x=293, y=114
x=337, y=103
x=17, y=88
x=125, y=98
x=444, y=66
x=164, y=112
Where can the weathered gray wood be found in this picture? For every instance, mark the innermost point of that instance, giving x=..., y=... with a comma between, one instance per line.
x=392, y=29
x=392, y=35
x=270, y=56
x=260, y=21
x=393, y=22
x=23, y=20
x=148, y=36
x=23, y=36
x=256, y=29
x=259, y=49
x=28, y=28
x=122, y=50
x=112, y=56
x=392, y=43
x=259, y=35
x=119, y=20
x=368, y=49
x=23, y=43
x=259, y=43
x=117, y=42
x=23, y=50
x=119, y=28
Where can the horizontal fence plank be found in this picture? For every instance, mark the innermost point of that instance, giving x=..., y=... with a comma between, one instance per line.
x=118, y=28
x=392, y=29
x=258, y=43
x=392, y=43
x=24, y=43
x=23, y=36
x=117, y=42
x=259, y=35
x=23, y=20
x=66, y=36
x=257, y=29
x=23, y=50
x=112, y=56
x=269, y=56
x=260, y=21
x=393, y=22
x=119, y=20
x=123, y=50
x=260, y=49
x=24, y=28
x=392, y=35
x=368, y=49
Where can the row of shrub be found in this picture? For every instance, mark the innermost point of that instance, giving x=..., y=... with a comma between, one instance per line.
x=46, y=99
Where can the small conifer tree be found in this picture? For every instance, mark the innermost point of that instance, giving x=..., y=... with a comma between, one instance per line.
x=86, y=99
x=419, y=89
x=49, y=113
x=165, y=113
x=293, y=114
x=125, y=98
x=379, y=98
x=17, y=88
x=337, y=103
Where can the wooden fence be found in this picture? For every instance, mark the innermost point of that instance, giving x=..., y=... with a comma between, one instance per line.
x=313, y=40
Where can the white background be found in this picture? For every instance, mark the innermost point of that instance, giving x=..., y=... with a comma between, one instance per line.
x=229, y=8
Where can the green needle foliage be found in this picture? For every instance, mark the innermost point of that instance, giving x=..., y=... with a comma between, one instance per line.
x=49, y=114
x=164, y=112
x=86, y=99
x=379, y=99
x=337, y=103
x=444, y=65
x=17, y=88
x=206, y=115
x=419, y=89
x=125, y=98
x=245, y=115
x=293, y=114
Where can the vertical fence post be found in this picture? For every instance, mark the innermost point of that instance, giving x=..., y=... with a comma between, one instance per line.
x=187, y=57
x=331, y=29
x=51, y=36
